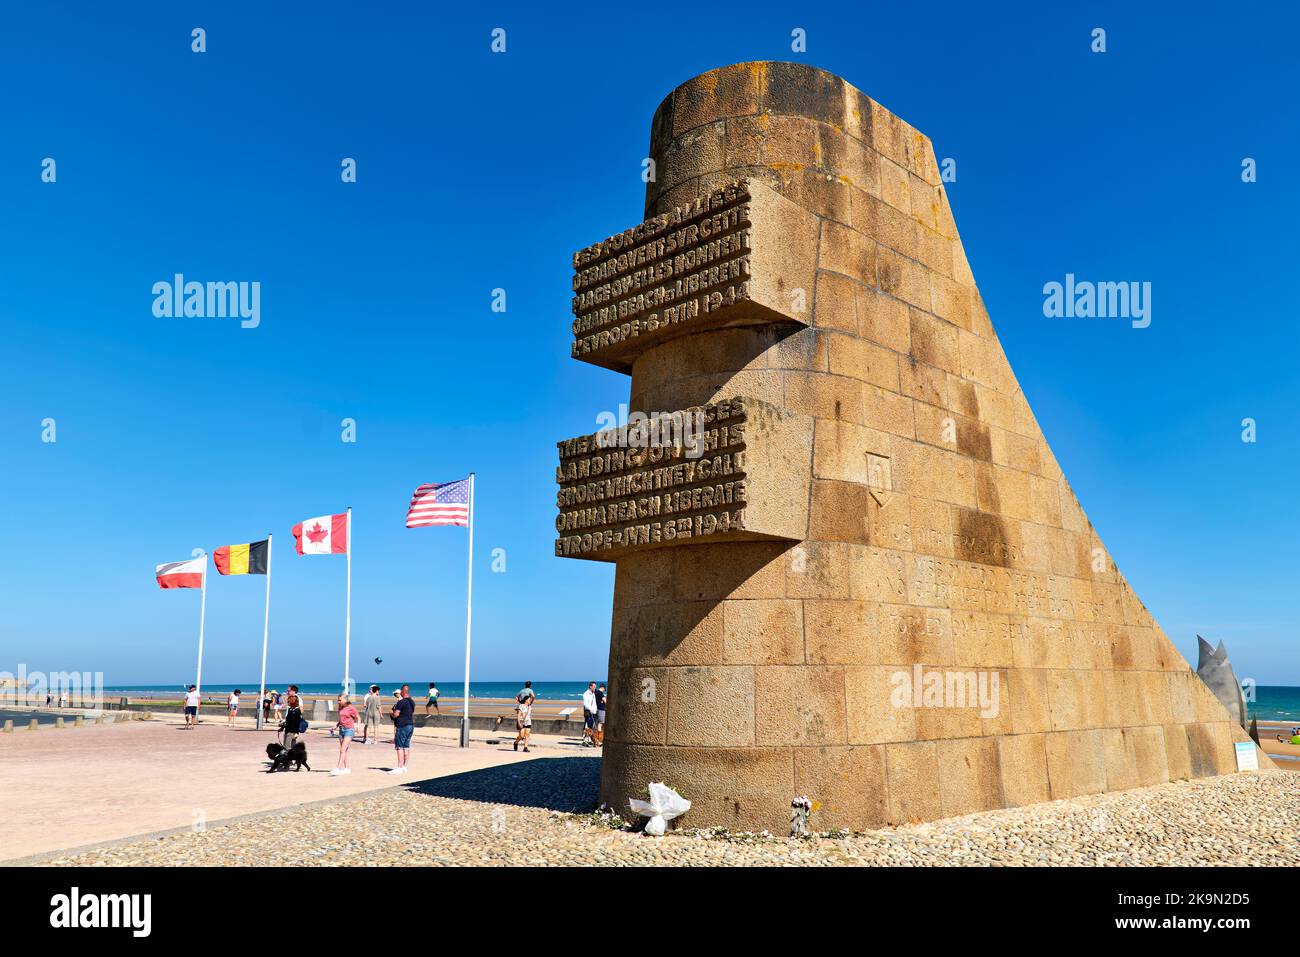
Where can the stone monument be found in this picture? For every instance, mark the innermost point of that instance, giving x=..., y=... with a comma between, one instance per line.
x=848, y=564
x=1214, y=668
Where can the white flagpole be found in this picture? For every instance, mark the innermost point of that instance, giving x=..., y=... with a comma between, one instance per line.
x=469, y=605
x=347, y=628
x=266, y=630
x=203, y=603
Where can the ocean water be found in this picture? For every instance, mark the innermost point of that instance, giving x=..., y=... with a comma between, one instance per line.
x=1275, y=703
x=545, y=690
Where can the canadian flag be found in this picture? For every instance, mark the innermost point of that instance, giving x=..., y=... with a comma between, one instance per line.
x=326, y=535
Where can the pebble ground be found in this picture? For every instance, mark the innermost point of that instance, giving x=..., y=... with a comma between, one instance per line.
x=532, y=814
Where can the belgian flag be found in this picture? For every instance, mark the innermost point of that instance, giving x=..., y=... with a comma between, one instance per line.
x=248, y=559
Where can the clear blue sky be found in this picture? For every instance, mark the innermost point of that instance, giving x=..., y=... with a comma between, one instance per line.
x=478, y=171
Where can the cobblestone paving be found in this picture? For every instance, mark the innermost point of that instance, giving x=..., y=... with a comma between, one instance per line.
x=531, y=814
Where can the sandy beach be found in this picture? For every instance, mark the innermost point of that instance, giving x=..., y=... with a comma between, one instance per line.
x=1285, y=755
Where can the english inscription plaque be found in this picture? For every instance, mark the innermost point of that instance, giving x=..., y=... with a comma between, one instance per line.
x=727, y=471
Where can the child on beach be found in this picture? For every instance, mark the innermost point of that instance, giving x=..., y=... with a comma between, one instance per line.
x=232, y=708
x=347, y=725
x=432, y=702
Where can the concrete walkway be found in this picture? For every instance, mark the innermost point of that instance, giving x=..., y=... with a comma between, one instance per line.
x=86, y=786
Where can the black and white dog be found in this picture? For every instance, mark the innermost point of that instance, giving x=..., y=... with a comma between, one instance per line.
x=281, y=757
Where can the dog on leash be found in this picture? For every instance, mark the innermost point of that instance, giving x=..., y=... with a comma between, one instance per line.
x=281, y=757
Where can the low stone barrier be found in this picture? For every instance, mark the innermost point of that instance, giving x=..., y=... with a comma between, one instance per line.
x=78, y=720
x=489, y=723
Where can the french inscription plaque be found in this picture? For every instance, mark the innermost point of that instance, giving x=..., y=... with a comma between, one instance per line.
x=739, y=255
x=727, y=471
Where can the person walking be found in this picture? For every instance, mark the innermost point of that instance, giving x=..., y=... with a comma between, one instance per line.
x=277, y=705
x=524, y=702
x=232, y=708
x=433, y=698
x=601, y=701
x=589, y=716
x=347, y=726
x=292, y=720
x=371, y=707
x=191, y=707
x=403, y=728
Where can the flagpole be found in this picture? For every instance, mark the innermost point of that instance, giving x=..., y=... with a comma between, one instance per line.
x=266, y=629
x=203, y=604
x=347, y=628
x=469, y=605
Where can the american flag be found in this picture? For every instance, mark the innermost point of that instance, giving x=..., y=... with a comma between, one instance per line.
x=439, y=503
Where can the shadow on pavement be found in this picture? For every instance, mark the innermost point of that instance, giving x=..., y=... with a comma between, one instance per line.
x=555, y=784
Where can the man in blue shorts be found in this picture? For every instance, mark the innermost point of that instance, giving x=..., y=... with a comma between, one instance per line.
x=191, y=707
x=403, y=728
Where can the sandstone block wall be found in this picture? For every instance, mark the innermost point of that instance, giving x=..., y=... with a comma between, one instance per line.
x=940, y=531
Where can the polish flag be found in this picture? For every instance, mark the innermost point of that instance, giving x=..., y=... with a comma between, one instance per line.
x=326, y=535
x=181, y=574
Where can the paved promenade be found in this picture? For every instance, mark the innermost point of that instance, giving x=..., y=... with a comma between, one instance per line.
x=82, y=786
